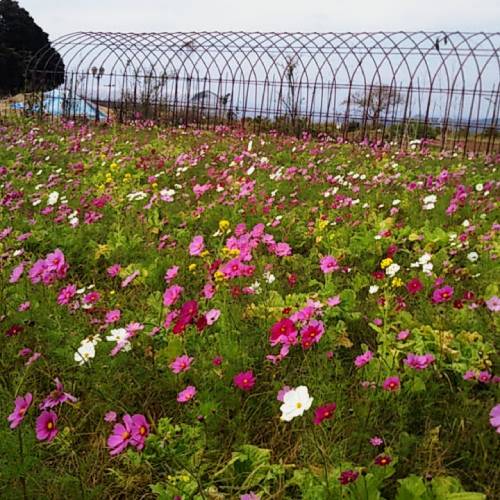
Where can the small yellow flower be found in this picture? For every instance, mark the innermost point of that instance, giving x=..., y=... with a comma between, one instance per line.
x=192, y=267
x=397, y=282
x=318, y=239
x=386, y=263
x=112, y=292
x=219, y=276
x=204, y=253
x=413, y=237
x=113, y=166
x=224, y=225
x=322, y=224
x=234, y=252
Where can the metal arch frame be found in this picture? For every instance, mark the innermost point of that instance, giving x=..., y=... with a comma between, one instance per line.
x=248, y=67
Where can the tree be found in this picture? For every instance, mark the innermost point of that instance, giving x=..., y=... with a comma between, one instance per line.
x=20, y=39
x=377, y=101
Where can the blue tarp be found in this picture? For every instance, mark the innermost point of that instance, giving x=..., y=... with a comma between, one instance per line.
x=57, y=103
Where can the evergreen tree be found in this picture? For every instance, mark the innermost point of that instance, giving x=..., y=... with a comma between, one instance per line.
x=20, y=39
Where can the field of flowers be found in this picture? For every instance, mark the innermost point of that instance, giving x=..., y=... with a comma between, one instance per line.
x=213, y=315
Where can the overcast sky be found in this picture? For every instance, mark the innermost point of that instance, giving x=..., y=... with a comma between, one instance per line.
x=58, y=17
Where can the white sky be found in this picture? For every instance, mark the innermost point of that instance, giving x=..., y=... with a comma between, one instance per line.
x=58, y=17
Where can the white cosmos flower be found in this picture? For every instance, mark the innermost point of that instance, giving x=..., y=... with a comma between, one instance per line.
x=373, y=289
x=392, y=269
x=473, y=256
x=295, y=403
x=269, y=277
x=85, y=352
x=53, y=197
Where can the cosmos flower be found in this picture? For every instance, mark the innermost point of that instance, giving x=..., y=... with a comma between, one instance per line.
x=324, y=412
x=57, y=397
x=495, y=417
x=22, y=404
x=391, y=384
x=363, y=359
x=295, y=403
x=244, y=380
x=186, y=394
x=46, y=429
x=328, y=264
x=181, y=364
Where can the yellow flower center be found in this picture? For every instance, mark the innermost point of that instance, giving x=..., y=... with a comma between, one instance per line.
x=298, y=406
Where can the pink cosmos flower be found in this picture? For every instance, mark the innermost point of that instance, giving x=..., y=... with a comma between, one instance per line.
x=66, y=294
x=212, y=316
x=282, y=250
x=91, y=297
x=363, y=359
x=403, y=335
x=376, y=441
x=348, y=476
x=244, y=380
x=110, y=416
x=333, y=301
x=45, y=426
x=328, y=264
x=484, y=377
x=22, y=404
x=444, y=294
x=16, y=274
x=196, y=246
x=391, y=384
x=324, y=412
x=172, y=294
x=493, y=304
x=171, y=273
x=250, y=496
x=140, y=431
x=187, y=394
x=495, y=417
x=57, y=397
x=470, y=375
x=181, y=364
x=128, y=279
x=34, y=357
x=419, y=362
x=208, y=291
x=55, y=262
x=121, y=436
x=112, y=316
x=24, y=306
x=114, y=270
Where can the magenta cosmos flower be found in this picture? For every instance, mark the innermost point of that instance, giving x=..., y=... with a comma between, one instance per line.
x=244, y=380
x=196, y=246
x=283, y=330
x=324, y=412
x=140, y=431
x=391, y=384
x=181, y=364
x=121, y=436
x=419, y=362
x=348, y=476
x=414, y=286
x=46, y=429
x=57, y=397
x=172, y=294
x=187, y=394
x=22, y=404
x=363, y=359
x=495, y=417
x=443, y=294
x=328, y=264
